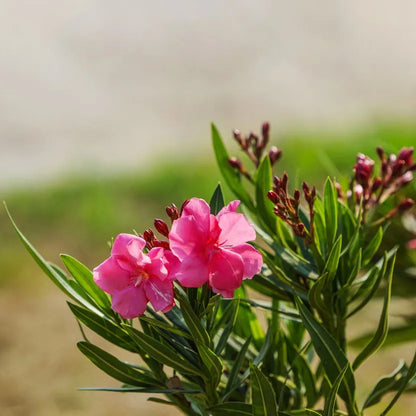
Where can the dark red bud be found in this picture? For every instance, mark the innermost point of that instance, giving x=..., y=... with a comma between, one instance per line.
x=296, y=194
x=406, y=204
x=172, y=212
x=363, y=169
x=406, y=155
x=149, y=235
x=306, y=188
x=284, y=182
x=265, y=130
x=380, y=153
x=274, y=155
x=300, y=229
x=235, y=163
x=163, y=244
x=161, y=227
x=238, y=138
x=273, y=197
x=376, y=184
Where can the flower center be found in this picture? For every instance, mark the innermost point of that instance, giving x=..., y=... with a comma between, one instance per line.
x=140, y=278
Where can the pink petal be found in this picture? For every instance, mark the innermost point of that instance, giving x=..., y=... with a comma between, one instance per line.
x=235, y=229
x=128, y=245
x=186, y=237
x=231, y=207
x=130, y=302
x=252, y=259
x=193, y=271
x=159, y=293
x=157, y=267
x=226, y=270
x=200, y=210
x=172, y=263
x=110, y=277
x=227, y=294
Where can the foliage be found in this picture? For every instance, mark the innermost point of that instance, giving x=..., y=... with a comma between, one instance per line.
x=324, y=261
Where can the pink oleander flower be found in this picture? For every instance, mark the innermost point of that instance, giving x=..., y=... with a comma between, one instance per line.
x=214, y=248
x=135, y=278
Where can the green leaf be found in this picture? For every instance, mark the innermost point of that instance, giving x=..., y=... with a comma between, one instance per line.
x=163, y=325
x=198, y=332
x=332, y=357
x=213, y=366
x=162, y=352
x=235, y=370
x=263, y=185
x=331, y=400
x=331, y=211
x=217, y=200
x=114, y=367
x=230, y=176
x=103, y=326
x=141, y=390
x=372, y=247
x=222, y=342
x=409, y=376
x=332, y=261
x=232, y=409
x=84, y=278
x=297, y=263
x=383, y=325
x=262, y=393
x=386, y=384
x=61, y=281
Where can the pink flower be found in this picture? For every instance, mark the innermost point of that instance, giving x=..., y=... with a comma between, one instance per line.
x=135, y=278
x=213, y=248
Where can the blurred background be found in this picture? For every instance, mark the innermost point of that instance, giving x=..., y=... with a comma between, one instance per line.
x=104, y=119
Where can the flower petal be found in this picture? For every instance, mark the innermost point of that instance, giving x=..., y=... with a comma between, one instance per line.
x=157, y=266
x=199, y=209
x=130, y=302
x=252, y=259
x=193, y=271
x=235, y=229
x=186, y=237
x=159, y=293
x=172, y=263
x=226, y=270
x=110, y=277
x=231, y=207
x=128, y=248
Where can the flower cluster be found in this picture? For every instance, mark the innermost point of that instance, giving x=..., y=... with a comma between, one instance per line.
x=396, y=171
x=201, y=248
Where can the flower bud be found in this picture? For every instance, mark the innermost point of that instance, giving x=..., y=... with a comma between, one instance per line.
x=235, y=163
x=363, y=169
x=406, y=155
x=273, y=197
x=406, y=204
x=274, y=155
x=265, y=132
x=380, y=153
x=172, y=212
x=162, y=227
x=296, y=195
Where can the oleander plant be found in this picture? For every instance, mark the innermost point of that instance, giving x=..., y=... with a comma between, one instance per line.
x=242, y=308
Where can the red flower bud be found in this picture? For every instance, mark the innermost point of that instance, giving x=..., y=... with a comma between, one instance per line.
x=265, y=130
x=406, y=155
x=406, y=204
x=162, y=227
x=273, y=197
x=274, y=155
x=363, y=169
x=380, y=153
x=235, y=163
x=172, y=212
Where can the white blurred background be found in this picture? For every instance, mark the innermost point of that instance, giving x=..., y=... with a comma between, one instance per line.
x=104, y=85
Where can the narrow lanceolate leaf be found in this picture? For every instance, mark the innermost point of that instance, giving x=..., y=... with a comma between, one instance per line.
x=161, y=352
x=222, y=342
x=104, y=327
x=196, y=329
x=237, y=364
x=217, y=200
x=332, y=261
x=232, y=409
x=332, y=357
x=383, y=325
x=263, y=185
x=141, y=390
x=372, y=246
x=262, y=393
x=331, y=211
x=213, y=365
x=114, y=367
x=231, y=177
x=56, y=277
x=411, y=373
x=84, y=277
x=163, y=325
x=331, y=400
x=387, y=384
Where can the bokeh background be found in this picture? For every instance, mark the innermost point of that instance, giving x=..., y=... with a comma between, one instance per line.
x=104, y=119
